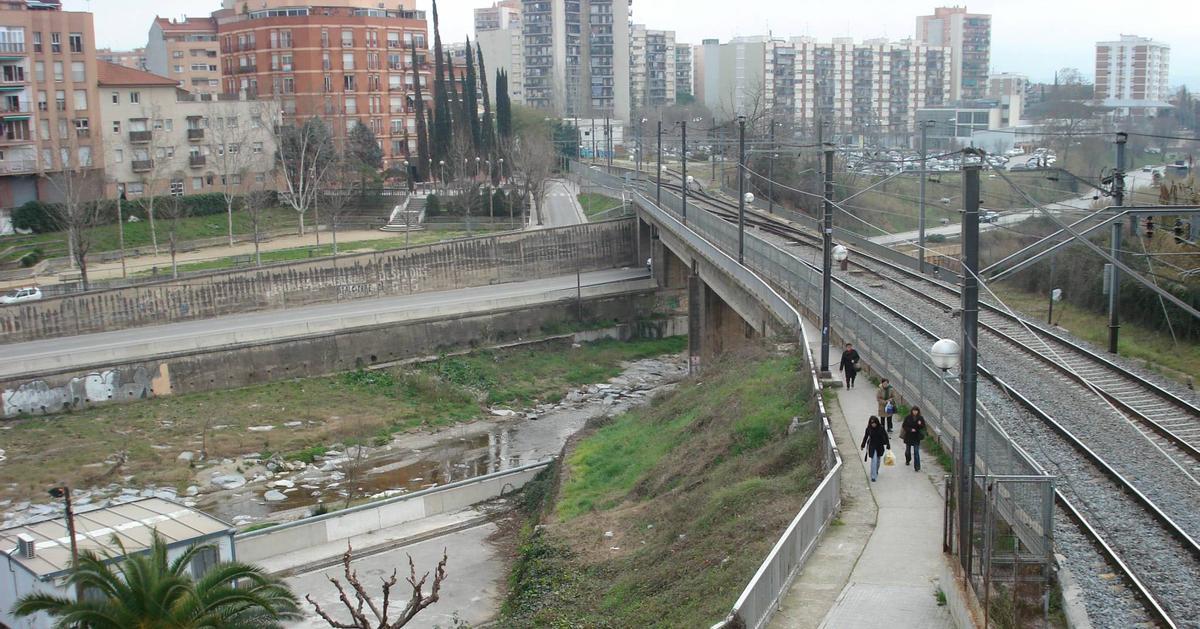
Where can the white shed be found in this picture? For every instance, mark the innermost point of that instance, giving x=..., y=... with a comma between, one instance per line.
x=133, y=523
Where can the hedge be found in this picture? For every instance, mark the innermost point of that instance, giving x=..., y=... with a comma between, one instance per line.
x=39, y=216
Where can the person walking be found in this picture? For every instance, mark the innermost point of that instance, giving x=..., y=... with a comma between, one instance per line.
x=875, y=440
x=885, y=395
x=913, y=431
x=849, y=365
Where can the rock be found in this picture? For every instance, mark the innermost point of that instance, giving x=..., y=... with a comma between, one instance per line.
x=502, y=412
x=283, y=483
x=186, y=456
x=165, y=494
x=293, y=424
x=574, y=397
x=608, y=534
x=228, y=481
x=532, y=416
x=192, y=490
x=274, y=496
x=261, y=428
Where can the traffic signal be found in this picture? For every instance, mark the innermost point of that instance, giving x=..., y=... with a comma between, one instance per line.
x=1149, y=227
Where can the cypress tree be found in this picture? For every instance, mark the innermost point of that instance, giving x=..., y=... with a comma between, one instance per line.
x=422, y=129
x=440, y=129
x=471, y=100
x=487, y=130
x=503, y=107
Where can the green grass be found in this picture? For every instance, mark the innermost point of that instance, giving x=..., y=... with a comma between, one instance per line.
x=106, y=237
x=1157, y=350
x=326, y=249
x=594, y=204
x=353, y=407
x=696, y=488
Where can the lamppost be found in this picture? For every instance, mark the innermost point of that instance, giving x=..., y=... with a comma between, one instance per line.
x=476, y=168
x=827, y=257
x=771, y=184
x=841, y=255
x=742, y=194
x=408, y=173
x=658, y=170
x=442, y=163
x=746, y=199
x=64, y=492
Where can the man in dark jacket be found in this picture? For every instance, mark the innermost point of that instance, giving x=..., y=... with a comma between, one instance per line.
x=913, y=431
x=849, y=365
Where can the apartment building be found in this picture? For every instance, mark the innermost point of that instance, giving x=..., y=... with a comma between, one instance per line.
x=684, y=70
x=873, y=88
x=1009, y=90
x=135, y=58
x=49, y=103
x=186, y=51
x=577, y=56
x=651, y=69
x=346, y=61
x=1132, y=70
x=498, y=35
x=969, y=37
x=162, y=140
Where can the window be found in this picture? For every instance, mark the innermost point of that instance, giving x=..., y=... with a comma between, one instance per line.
x=256, y=121
x=324, y=38
x=55, y=42
x=85, y=156
x=176, y=187
x=259, y=177
x=285, y=39
x=289, y=85
x=287, y=63
x=325, y=64
x=82, y=128
x=135, y=97
x=328, y=85
x=75, y=41
x=134, y=188
x=80, y=100
x=77, y=71
x=274, y=39
x=347, y=37
x=231, y=122
x=37, y=41
x=197, y=184
x=257, y=148
x=118, y=155
x=233, y=148
x=351, y=105
x=178, y=54
x=58, y=71
x=347, y=61
x=44, y=129
x=116, y=98
x=42, y=102
x=348, y=82
x=62, y=128
x=393, y=39
x=117, y=127
x=48, y=158
x=60, y=100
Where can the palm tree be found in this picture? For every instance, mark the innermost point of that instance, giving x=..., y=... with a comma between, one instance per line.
x=144, y=590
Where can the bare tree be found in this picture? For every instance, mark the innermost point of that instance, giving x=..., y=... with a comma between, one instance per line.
x=254, y=203
x=337, y=192
x=174, y=209
x=532, y=158
x=304, y=152
x=235, y=148
x=150, y=169
x=77, y=186
x=380, y=614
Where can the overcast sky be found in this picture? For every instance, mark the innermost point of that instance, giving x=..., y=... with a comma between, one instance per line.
x=1034, y=37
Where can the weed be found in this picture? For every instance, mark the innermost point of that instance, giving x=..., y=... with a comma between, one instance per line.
x=941, y=597
x=307, y=455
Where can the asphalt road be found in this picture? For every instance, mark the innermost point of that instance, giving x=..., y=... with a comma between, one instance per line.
x=18, y=358
x=562, y=206
x=471, y=592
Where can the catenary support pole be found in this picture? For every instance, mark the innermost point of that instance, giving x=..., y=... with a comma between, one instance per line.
x=1114, y=286
x=658, y=169
x=969, y=362
x=741, y=188
x=827, y=257
x=921, y=216
x=683, y=163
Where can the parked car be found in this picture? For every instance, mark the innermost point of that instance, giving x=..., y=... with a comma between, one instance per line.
x=989, y=216
x=31, y=293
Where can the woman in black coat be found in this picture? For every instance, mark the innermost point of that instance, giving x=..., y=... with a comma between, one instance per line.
x=849, y=365
x=913, y=431
x=875, y=440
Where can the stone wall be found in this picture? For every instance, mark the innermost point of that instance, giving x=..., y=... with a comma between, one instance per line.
x=457, y=264
x=190, y=372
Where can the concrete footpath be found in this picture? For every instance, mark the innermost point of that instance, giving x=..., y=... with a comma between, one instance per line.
x=880, y=561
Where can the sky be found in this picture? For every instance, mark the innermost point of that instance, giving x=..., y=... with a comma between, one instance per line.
x=1033, y=37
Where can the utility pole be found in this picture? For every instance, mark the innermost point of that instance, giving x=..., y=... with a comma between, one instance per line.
x=712, y=157
x=683, y=162
x=1114, y=285
x=593, y=139
x=970, y=361
x=921, y=218
x=827, y=258
x=771, y=172
x=658, y=169
x=64, y=492
x=609, y=140
x=741, y=188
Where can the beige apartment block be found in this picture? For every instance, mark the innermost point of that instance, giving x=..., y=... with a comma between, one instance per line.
x=186, y=51
x=135, y=58
x=161, y=140
x=48, y=101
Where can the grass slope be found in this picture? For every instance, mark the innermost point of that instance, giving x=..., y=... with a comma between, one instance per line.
x=594, y=204
x=695, y=488
x=354, y=407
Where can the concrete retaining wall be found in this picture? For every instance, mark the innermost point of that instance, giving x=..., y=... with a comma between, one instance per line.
x=310, y=355
x=458, y=264
x=279, y=540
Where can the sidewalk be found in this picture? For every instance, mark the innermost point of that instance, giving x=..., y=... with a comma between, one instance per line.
x=879, y=563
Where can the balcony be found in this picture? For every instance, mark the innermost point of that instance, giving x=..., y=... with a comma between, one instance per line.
x=197, y=161
x=140, y=137
x=18, y=166
x=143, y=165
x=195, y=135
x=247, y=69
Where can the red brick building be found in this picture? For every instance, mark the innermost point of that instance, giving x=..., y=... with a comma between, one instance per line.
x=346, y=61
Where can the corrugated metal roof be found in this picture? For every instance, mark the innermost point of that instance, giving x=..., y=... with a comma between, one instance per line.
x=133, y=523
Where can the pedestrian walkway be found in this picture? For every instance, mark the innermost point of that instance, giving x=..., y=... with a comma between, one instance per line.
x=880, y=561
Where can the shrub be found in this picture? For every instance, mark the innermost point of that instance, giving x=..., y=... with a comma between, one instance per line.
x=36, y=216
x=32, y=258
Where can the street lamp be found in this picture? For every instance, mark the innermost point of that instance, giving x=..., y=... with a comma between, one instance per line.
x=408, y=173
x=64, y=492
x=841, y=255
x=442, y=163
x=477, y=168
x=944, y=354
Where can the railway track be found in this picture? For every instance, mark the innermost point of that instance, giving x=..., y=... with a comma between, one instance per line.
x=1165, y=556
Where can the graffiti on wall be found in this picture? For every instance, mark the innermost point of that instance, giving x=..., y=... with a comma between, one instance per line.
x=38, y=397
